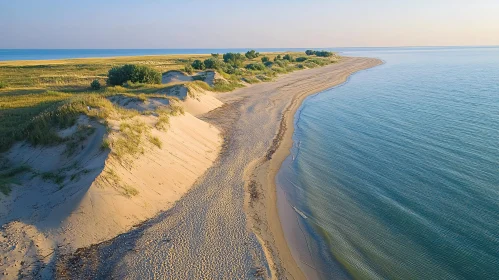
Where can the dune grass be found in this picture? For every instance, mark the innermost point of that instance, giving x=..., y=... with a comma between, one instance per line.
x=38, y=96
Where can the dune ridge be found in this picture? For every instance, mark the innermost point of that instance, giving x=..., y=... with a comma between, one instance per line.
x=101, y=195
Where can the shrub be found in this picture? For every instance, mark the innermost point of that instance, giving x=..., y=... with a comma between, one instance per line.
x=288, y=57
x=229, y=69
x=234, y=59
x=198, y=64
x=309, y=52
x=323, y=53
x=278, y=57
x=268, y=63
x=301, y=59
x=213, y=63
x=255, y=66
x=215, y=55
x=134, y=73
x=252, y=54
x=3, y=84
x=281, y=63
x=95, y=85
x=265, y=59
x=188, y=69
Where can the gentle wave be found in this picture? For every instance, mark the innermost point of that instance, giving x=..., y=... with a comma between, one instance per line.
x=397, y=171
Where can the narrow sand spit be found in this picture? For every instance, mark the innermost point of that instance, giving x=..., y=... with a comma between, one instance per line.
x=227, y=226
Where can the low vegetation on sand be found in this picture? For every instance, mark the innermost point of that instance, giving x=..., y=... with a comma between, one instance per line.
x=39, y=98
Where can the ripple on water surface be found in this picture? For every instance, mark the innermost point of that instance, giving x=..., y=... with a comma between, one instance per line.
x=398, y=170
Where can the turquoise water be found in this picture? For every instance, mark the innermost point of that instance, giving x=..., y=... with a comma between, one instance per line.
x=397, y=170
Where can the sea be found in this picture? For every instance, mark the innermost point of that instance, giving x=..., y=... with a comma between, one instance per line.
x=395, y=173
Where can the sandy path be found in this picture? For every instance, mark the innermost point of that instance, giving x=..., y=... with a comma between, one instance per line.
x=207, y=234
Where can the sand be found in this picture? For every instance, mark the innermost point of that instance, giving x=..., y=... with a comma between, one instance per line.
x=101, y=196
x=227, y=226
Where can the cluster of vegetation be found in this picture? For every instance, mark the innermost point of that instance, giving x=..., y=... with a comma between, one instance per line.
x=252, y=54
x=250, y=67
x=135, y=73
x=319, y=53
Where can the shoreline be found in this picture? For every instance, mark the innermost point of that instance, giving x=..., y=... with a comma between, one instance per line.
x=266, y=172
x=227, y=226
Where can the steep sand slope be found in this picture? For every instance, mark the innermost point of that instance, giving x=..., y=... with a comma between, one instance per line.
x=101, y=196
x=210, y=233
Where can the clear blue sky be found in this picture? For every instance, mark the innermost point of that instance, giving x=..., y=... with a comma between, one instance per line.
x=256, y=23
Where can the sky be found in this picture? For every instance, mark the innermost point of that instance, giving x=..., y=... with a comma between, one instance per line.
x=246, y=24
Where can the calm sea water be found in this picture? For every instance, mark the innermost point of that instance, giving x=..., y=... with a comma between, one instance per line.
x=397, y=170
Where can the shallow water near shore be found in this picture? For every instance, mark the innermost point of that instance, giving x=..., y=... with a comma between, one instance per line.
x=395, y=173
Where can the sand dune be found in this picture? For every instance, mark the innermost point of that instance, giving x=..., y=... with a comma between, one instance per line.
x=175, y=77
x=99, y=196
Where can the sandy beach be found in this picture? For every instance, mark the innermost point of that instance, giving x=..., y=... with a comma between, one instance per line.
x=227, y=226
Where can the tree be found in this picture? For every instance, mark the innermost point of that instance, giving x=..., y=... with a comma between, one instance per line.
x=198, y=64
x=95, y=85
x=265, y=59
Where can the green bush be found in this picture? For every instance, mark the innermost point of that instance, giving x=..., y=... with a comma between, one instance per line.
x=278, y=57
x=134, y=73
x=234, y=59
x=188, y=69
x=309, y=52
x=215, y=55
x=255, y=66
x=301, y=59
x=213, y=63
x=288, y=57
x=198, y=64
x=3, y=84
x=229, y=69
x=268, y=63
x=252, y=54
x=265, y=59
x=323, y=53
x=95, y=85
